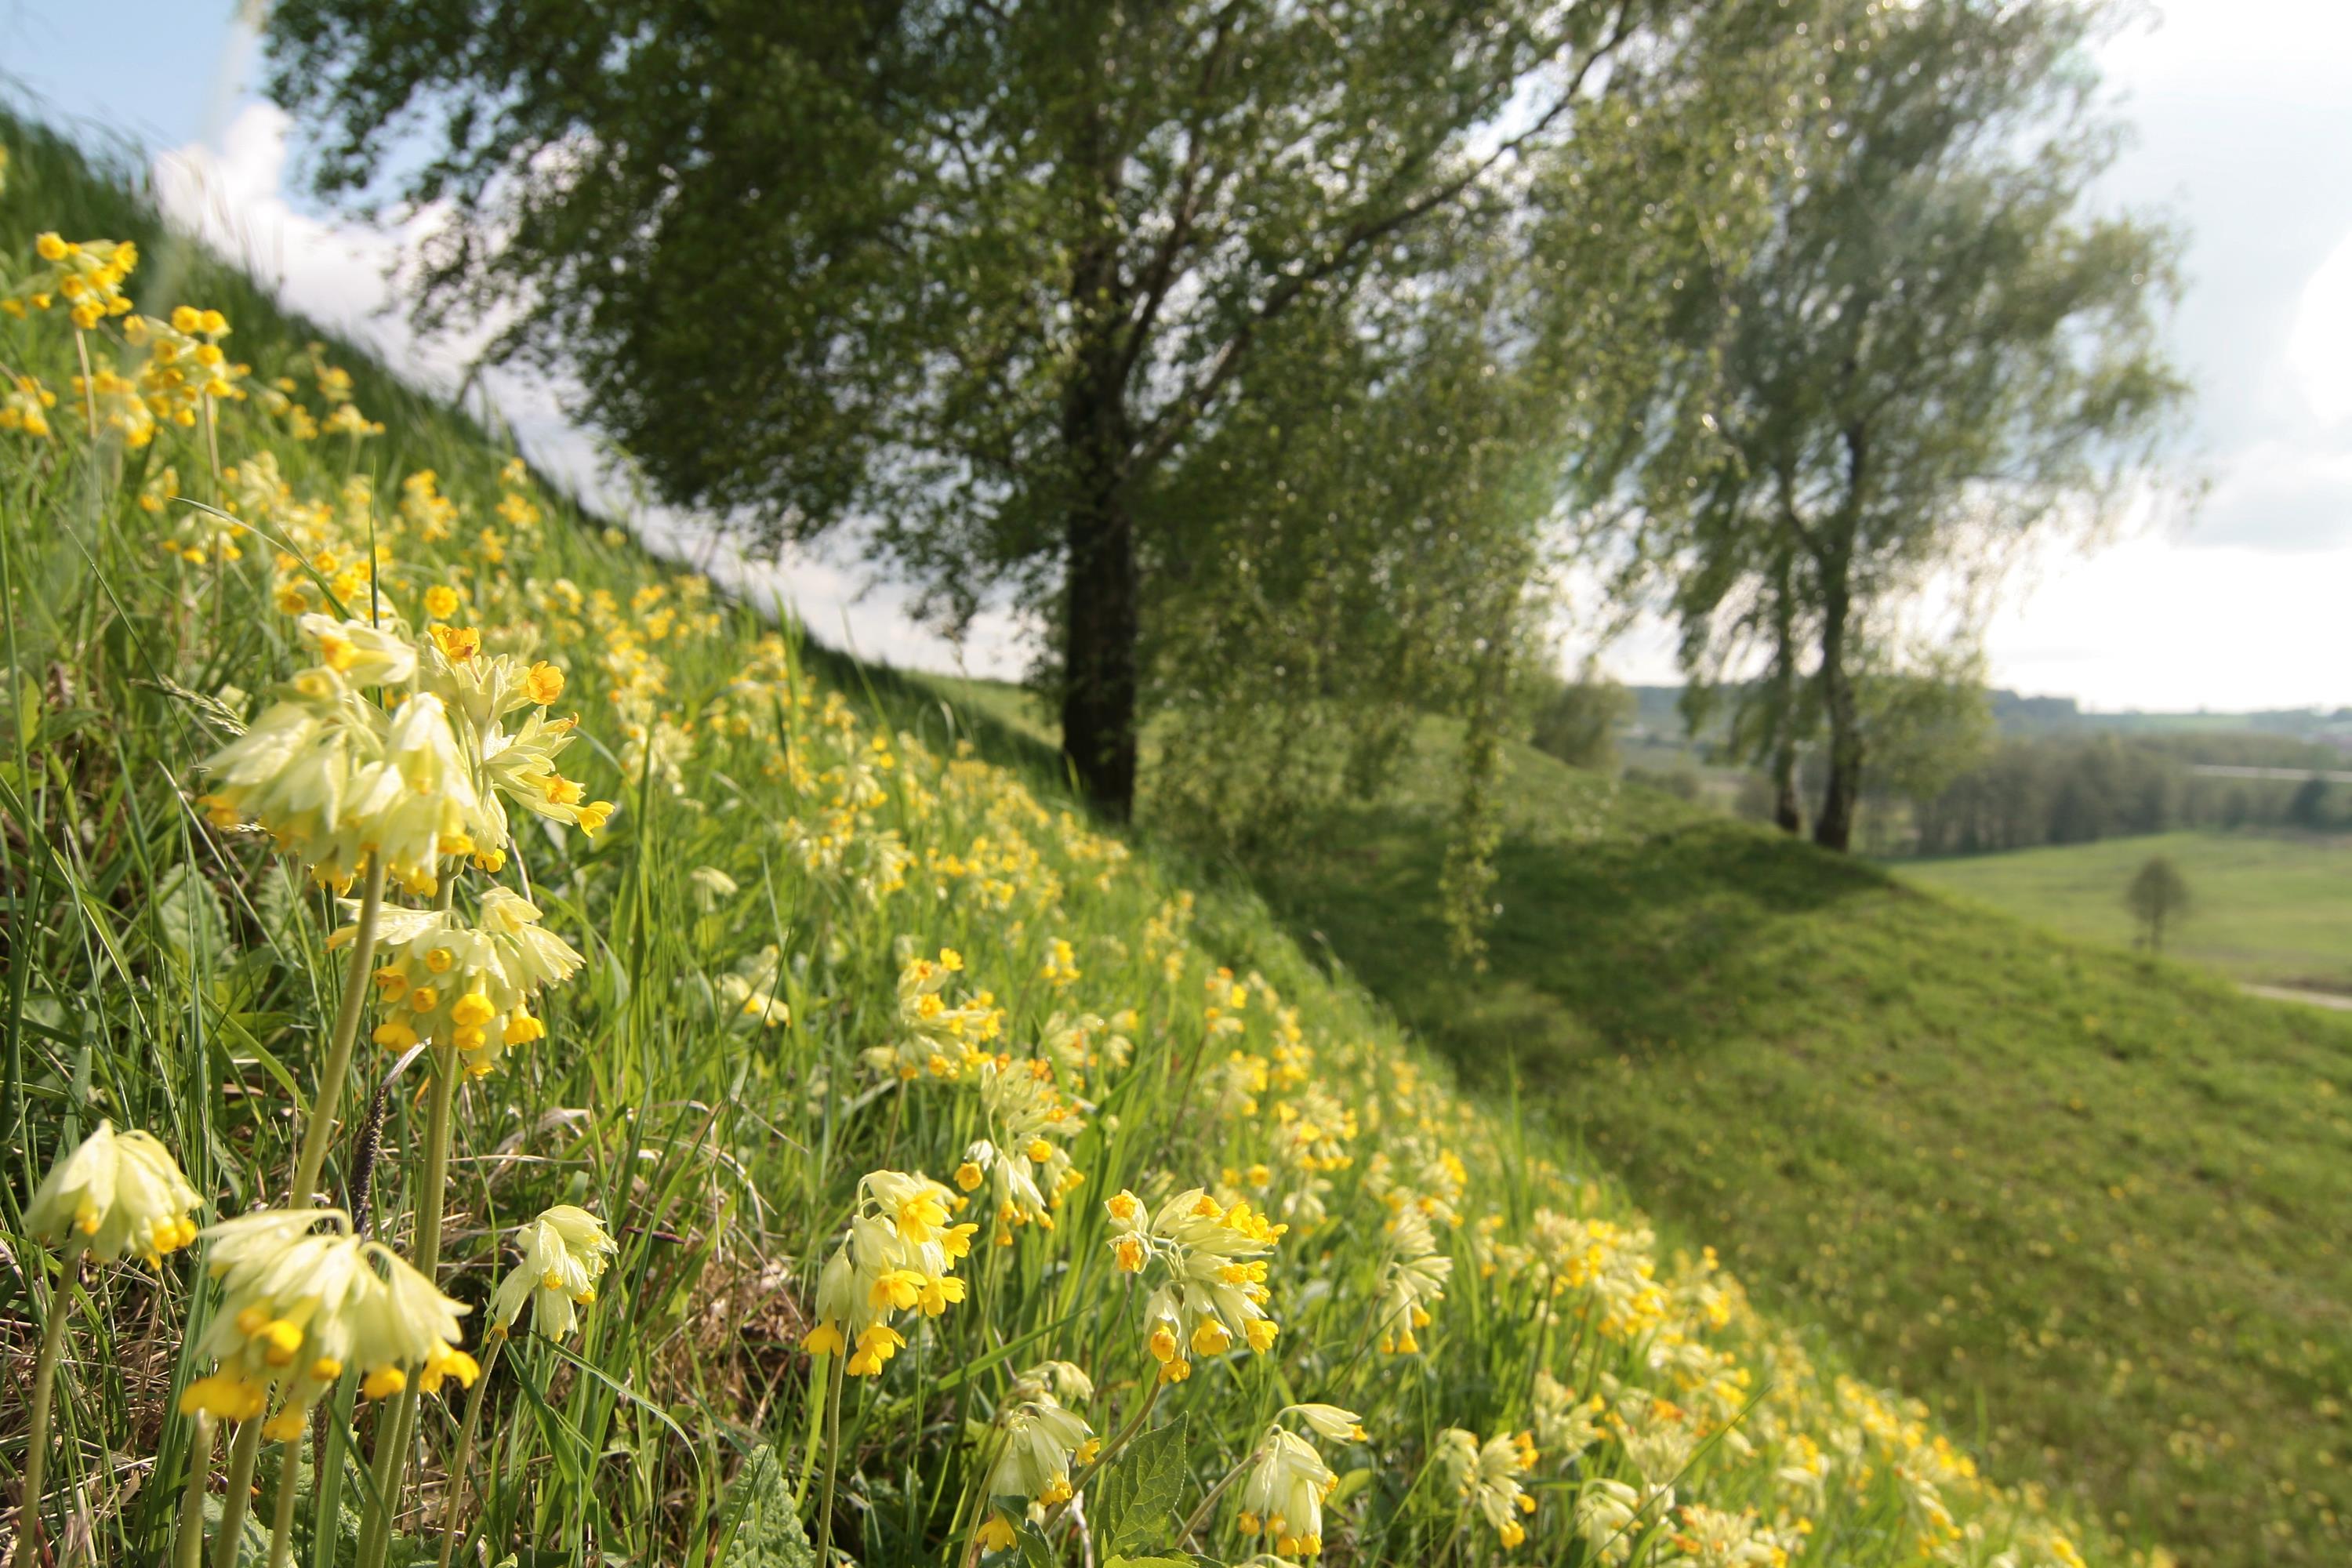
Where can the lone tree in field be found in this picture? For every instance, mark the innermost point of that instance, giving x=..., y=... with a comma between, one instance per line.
x=2158, y=895
x=1936, y=352
x=973, y=280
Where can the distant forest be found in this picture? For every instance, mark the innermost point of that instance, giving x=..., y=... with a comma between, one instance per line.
x=2053, y=773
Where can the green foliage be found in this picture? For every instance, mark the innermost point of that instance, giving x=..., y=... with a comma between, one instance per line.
x=1935, y=353
x=1135, y=1510
x=762, y=1528
x=1967, y=1148
x=2158, y=893
x=1577, y=721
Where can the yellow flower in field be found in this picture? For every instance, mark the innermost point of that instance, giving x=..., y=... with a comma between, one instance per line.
x=940, y=1038
x=712, y=886
x=1038, y=1439
x=1610, y=1515
x=1565, y=1426
x=564, y=1252
x=1486, y=1477
x=87, y=276
x=1413, y=1276
x=25, y=406
x=1212, y=1297
x=116, y=1193
x=441, y=601
x=899, y=1254
x=299, y=1305
x=446, y=983
x=1283, y=1497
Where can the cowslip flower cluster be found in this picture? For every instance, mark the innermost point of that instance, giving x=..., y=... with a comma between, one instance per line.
x=446, y=983
x=300, y=1304
x=565, y=1251
x=1025, y=1160
x=1485, y=1476
x=938, y=1037
x=335, y=779
x=1213, y=1260
x=1039, y=1439
x=116, y=1193
x=1413, y=1276
x=87, y=276
x=899, y=1254
x=1282, y=1498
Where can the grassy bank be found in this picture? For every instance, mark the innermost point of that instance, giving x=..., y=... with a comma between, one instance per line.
x=974, y=1186
x=2086, y=1204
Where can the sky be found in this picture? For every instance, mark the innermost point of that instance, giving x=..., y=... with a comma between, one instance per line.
x=2241, y=120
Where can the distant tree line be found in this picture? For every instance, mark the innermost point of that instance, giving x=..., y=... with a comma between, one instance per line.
x=2026, y=793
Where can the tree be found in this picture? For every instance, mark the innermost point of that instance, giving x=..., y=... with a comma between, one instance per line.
x=1577, y=721
x=1934, y=353
x=2308, y=806
x=977, y=280
x=2159, y=894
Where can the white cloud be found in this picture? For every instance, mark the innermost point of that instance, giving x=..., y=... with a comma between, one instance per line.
x=233, y=197
x=2319, y=349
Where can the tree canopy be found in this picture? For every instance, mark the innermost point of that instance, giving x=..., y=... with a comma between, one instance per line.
x=1935, y=351
x=989, y=283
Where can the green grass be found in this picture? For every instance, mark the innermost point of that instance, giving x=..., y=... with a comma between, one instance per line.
x=2267, y=908
x=2088, y=1205
x=793, y=830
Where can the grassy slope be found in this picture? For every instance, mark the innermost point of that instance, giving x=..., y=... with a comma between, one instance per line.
x=2089, y=1205
x=725, y=1153
x=2271, y=909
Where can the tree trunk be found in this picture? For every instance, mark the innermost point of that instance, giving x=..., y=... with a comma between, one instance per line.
x=1787, y=814
x=1833, y=828
x=1102, y=613
x=1100, y=629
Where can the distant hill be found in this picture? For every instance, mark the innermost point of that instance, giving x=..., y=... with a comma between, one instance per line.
x=1657, y=715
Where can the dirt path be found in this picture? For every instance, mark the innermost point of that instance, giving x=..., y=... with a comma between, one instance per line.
x=2288, y=994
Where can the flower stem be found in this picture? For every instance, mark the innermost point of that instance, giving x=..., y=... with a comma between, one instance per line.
x=463, y=1456
x=36, y=1443
x=241, y=1456
x=281, y=1527
x=397, y=1427
x=188, y=1547
x=832, y=1457
x=339, y=1045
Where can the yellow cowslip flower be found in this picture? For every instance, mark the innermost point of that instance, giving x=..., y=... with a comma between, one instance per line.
x=25, y=406
x=441, y=601
x=1485, y=1476
x=1039, y=1439
x=1282, y=1498
x=445, y=981
x=755, y=990
x=1213, y=1293
x=520, y=766
x=1565, y=1426
x=87, y=276
x=335, y=779
x=564, y=1252
x=940, y=1038
x=300, y=1305
x=116, y=1193
x=1607, y=1511
x=899, y=1254
x=347, y=420
x=1413, y=1276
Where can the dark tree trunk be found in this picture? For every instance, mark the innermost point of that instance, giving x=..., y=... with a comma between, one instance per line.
x=1100, y=630
x=1834, y=830
x=1102, y=614
x=1787, y=814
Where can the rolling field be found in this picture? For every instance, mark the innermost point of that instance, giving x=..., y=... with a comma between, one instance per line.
x=2267, y=908
x=2086, y=1204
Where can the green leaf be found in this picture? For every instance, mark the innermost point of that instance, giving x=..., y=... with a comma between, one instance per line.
x=1135, y=1502
x=1036, y=1552
x=1158, y=1563
x=763, y=1530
